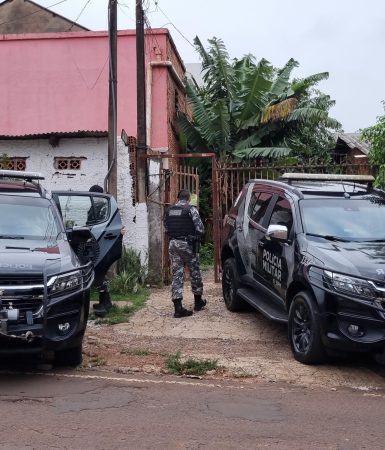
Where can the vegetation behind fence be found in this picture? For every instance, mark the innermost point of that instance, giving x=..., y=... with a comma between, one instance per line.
x=233, y=176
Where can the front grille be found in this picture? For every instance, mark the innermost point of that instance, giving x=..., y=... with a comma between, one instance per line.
x=21, y=291
x=23, y=304
x=21, y=280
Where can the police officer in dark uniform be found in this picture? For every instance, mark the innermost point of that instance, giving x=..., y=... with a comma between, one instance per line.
x=184, y=227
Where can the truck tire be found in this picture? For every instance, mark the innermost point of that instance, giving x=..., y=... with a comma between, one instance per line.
x=304, y=330
x=230, y=285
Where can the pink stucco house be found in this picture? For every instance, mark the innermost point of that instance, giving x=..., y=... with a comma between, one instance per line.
x=54, y=111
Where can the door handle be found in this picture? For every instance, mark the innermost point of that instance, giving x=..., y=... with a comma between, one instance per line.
x=110, y=236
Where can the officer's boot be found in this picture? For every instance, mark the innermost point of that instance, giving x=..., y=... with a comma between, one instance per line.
x=104, y=305
x=199, y=302
x=179, y=310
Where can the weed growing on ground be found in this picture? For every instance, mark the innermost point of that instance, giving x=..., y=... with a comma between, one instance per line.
x=130, y=273
x=96, y=361
x=136, y=352
x=120, y=314
x=189, y=366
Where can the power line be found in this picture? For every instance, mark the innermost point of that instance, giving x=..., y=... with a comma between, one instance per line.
x=120, y=4
x=78, y=17
x=31, y=14
x=171, y=23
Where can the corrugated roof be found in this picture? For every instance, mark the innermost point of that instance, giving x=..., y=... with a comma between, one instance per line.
x=353, y=140
x=59, y=134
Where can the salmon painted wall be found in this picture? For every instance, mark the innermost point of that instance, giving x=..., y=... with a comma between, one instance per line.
x=58, y=82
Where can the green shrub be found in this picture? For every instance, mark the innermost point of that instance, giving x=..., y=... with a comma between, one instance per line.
x=206, y=255
x=130, y=273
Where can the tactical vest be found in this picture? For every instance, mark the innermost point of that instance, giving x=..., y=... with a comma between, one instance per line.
x=179, y=222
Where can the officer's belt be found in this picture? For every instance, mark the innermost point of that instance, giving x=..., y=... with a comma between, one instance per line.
x=180, y=238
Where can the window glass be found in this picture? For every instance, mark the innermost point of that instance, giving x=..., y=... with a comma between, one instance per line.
x=75, y=210
x=346, y=218
x=259, y=207
x=100, y=210
x=282, y=214
x=83, y=210
x=253, y=201
x=28, y=221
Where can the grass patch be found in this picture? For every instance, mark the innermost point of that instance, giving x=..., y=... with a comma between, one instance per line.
x=136, y=352
x=190, y=366
x=121, y=314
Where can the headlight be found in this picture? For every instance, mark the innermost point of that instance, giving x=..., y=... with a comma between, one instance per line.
x=349, y=285
x=68, y=282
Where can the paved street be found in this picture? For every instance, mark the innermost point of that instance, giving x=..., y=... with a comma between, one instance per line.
x=76, y=410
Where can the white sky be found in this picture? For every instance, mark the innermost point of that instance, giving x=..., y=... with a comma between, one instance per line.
x=343, y=37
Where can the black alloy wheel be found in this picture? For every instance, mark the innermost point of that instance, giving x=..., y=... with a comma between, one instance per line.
x=304, y=330
x=230, y=285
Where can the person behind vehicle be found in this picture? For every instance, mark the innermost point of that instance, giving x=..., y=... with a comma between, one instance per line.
x=184, y=227
x=100, y=282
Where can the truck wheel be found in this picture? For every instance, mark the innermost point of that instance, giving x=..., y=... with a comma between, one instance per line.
x=230, y=285
x=69, y=357
x=305, y=331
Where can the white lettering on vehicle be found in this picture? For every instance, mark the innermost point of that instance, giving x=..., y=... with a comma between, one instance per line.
x=15, y=266
x=272, y=264
x=380, y=271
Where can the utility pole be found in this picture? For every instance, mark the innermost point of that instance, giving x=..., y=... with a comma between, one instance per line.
x=110, y=182
x=140, y=105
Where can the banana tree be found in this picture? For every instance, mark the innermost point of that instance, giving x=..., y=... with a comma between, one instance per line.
x=249, y=109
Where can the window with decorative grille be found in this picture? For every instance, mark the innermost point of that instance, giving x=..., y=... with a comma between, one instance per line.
x=71, y=163
x=13, y=163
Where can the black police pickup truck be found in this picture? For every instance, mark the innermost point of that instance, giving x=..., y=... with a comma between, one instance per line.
x=51, y=247
x=309, y=251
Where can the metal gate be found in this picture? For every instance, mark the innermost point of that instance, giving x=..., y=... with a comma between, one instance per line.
x=184, y=177
x=171, y=181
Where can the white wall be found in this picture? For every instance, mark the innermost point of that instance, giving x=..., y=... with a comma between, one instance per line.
x=93, y=170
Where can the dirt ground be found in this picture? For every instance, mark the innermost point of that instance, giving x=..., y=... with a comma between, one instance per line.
x=246, y=345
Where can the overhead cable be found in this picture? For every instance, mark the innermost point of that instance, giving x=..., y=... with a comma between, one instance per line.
x=78, y=17
x=171, y=23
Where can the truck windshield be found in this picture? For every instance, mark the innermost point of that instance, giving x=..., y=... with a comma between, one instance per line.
x=20, y=221
x=349, y=219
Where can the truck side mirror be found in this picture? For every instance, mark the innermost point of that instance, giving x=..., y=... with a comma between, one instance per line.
x=277, y=233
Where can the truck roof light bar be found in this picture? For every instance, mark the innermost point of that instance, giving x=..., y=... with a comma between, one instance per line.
x=17, y=174
x=326, y=177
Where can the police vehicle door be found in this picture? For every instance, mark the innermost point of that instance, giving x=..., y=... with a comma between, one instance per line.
x=256, y=212
x=275, y=259
x=100, y=213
